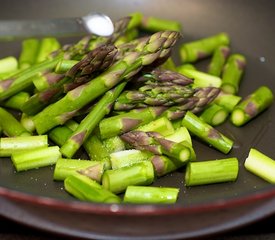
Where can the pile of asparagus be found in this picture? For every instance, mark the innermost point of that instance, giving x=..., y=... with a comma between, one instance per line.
x=123, y=100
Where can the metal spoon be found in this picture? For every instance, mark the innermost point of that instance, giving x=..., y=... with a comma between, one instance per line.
x=93, y=23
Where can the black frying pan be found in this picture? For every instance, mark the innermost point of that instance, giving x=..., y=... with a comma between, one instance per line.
x=34, y=199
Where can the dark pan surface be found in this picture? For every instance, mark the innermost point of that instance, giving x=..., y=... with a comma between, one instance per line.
x=250, y=26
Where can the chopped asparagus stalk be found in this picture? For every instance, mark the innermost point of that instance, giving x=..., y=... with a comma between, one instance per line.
x=181, y=134
x=8, y=64
x=17, y=101
x=66, y=167
x=201, y=79
x=10, y=125
x=207, y=133
x=64, y=65
x=96, y=148
x=28, y=52
x=218, y=60
x=211, y=171
x=43, y=81
x=145, y=194
x=35, y=158
x=161, y=125
x=47, y=46
x=202, y=48
x=86, y=189
x=154, y=24
x=261, y=165
x=252, y=106
x=113, y=126
x=128, y=157
x=164, y=165
x=214, y=115
x=118, y=180
x=227, y=101
x=232, y=73
x=10, y=145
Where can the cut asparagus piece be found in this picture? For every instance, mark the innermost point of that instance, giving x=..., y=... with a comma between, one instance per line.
x=252, y=106
x=218, y=60
x=214, y=115
x=232, y=73
x=227, y=101
x=35, y=158
x=118, y=180
x=17, y=101
x=207, y=133
x=128, y=157
x=261, y=165
x=46, y=46
x=24, y=80
x=211, y=171
x=8, y=64
x=201, y=79
x=66, y=167
x=10, y=145
x=154, y=24
x=10, y=125
x=150, y=195
x=116, y=125
x=28, y=52
x=202, y=48
x=164, y=165
x=86, y=189
x=181, y=134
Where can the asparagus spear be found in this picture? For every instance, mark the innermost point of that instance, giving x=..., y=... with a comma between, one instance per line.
x=157, y=144
x=252, y=106
x=146, y=53
x=160, y=87
x=95, y=61
x=87, y=125
x=207, y=133
x=116, y=125
x=145, y=194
